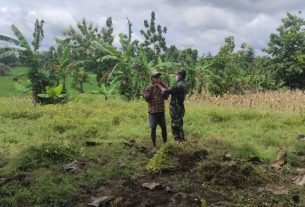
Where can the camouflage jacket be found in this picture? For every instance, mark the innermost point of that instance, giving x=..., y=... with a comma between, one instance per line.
x=178, y=93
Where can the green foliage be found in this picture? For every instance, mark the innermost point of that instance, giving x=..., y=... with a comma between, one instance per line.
x=108, y=89
x=79, y=76
x=53, y=95
x=29, y=56
x=126, y=66
x=286, y=48
x=4, y=69
x=81, y=42
x=87, y=49
x=154, y=42
x=47, y=154
x=107, y=31
x=38, y=34
x=42, y=145
x=165, y=158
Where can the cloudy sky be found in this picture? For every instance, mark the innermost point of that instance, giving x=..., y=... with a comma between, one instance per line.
x=201, y=24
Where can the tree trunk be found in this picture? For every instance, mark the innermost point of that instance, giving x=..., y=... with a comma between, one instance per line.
x=64, y=90
x=34, y=98
x=81, y=88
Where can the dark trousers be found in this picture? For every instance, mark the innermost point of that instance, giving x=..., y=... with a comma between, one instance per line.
x=156, y=119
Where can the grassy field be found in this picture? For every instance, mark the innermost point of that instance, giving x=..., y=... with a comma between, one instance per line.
x=15, y=83
x=218, y=165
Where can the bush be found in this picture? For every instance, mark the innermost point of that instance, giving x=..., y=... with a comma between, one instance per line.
x=47, y=154
x=165, y=158
x=3, y=69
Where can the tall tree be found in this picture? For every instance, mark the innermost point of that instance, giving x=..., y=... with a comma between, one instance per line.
x=287, y=50
x=107, y=32
x=81, y=40
x=154, y=42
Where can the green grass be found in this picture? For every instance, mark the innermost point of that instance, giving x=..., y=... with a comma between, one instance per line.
x=244, y=133
x=10, y=87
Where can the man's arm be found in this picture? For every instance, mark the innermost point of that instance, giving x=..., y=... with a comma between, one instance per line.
x=148, y=93
x=175, y=89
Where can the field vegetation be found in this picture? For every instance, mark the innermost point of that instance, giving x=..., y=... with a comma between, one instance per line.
x=74, y=132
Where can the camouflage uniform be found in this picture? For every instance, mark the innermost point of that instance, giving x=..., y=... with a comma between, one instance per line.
x=178, y=93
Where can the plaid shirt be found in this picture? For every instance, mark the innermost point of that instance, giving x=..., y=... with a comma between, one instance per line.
x=155, y=99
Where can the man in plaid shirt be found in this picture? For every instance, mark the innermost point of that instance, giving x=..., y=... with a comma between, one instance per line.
x=156, y=109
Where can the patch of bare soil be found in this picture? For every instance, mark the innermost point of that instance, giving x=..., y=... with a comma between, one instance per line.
x=198, y=180
x=146, y=190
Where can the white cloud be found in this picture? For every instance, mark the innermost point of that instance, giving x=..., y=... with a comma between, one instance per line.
x=209, y=17
x=202, y=24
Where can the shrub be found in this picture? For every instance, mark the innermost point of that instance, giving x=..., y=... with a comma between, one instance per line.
x=47, y=154
x=165, y=158
x=3, y=69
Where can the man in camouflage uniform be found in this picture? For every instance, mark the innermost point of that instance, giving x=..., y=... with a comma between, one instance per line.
x=153, y=95
x=178, y=93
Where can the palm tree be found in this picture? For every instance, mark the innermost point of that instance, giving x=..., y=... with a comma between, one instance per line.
x=29, y=54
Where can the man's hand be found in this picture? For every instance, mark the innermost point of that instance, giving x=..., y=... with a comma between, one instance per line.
x=161, y=87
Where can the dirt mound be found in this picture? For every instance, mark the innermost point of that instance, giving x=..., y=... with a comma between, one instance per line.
x=228, y=174
x=134, y=193
x=172, y=157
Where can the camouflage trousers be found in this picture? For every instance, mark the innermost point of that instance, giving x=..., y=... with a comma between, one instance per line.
x=177, y=114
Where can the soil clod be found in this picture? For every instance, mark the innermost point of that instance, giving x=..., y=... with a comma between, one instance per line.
x=91, y=143
x=255, y=160
x=129, y=142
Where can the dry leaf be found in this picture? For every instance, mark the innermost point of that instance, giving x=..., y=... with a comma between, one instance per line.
x=168, y=189
x=129, y=142
x=117, y=201
x=73, y=166
x=301, y=170
x=151, y=185
x=227, y=157
x=301, y=137
x=279, y=162
x=121, y=163
x=100, y=201
x=299, y=180
x=102, y=161
x=276, y=190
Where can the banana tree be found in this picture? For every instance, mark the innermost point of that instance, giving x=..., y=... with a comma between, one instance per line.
x=124, y=60
x=108, y=89
x=64, y=62
x=122, y=67
x=167, y=68
x=204, y=77
x=53, y=95
x=27, y=52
